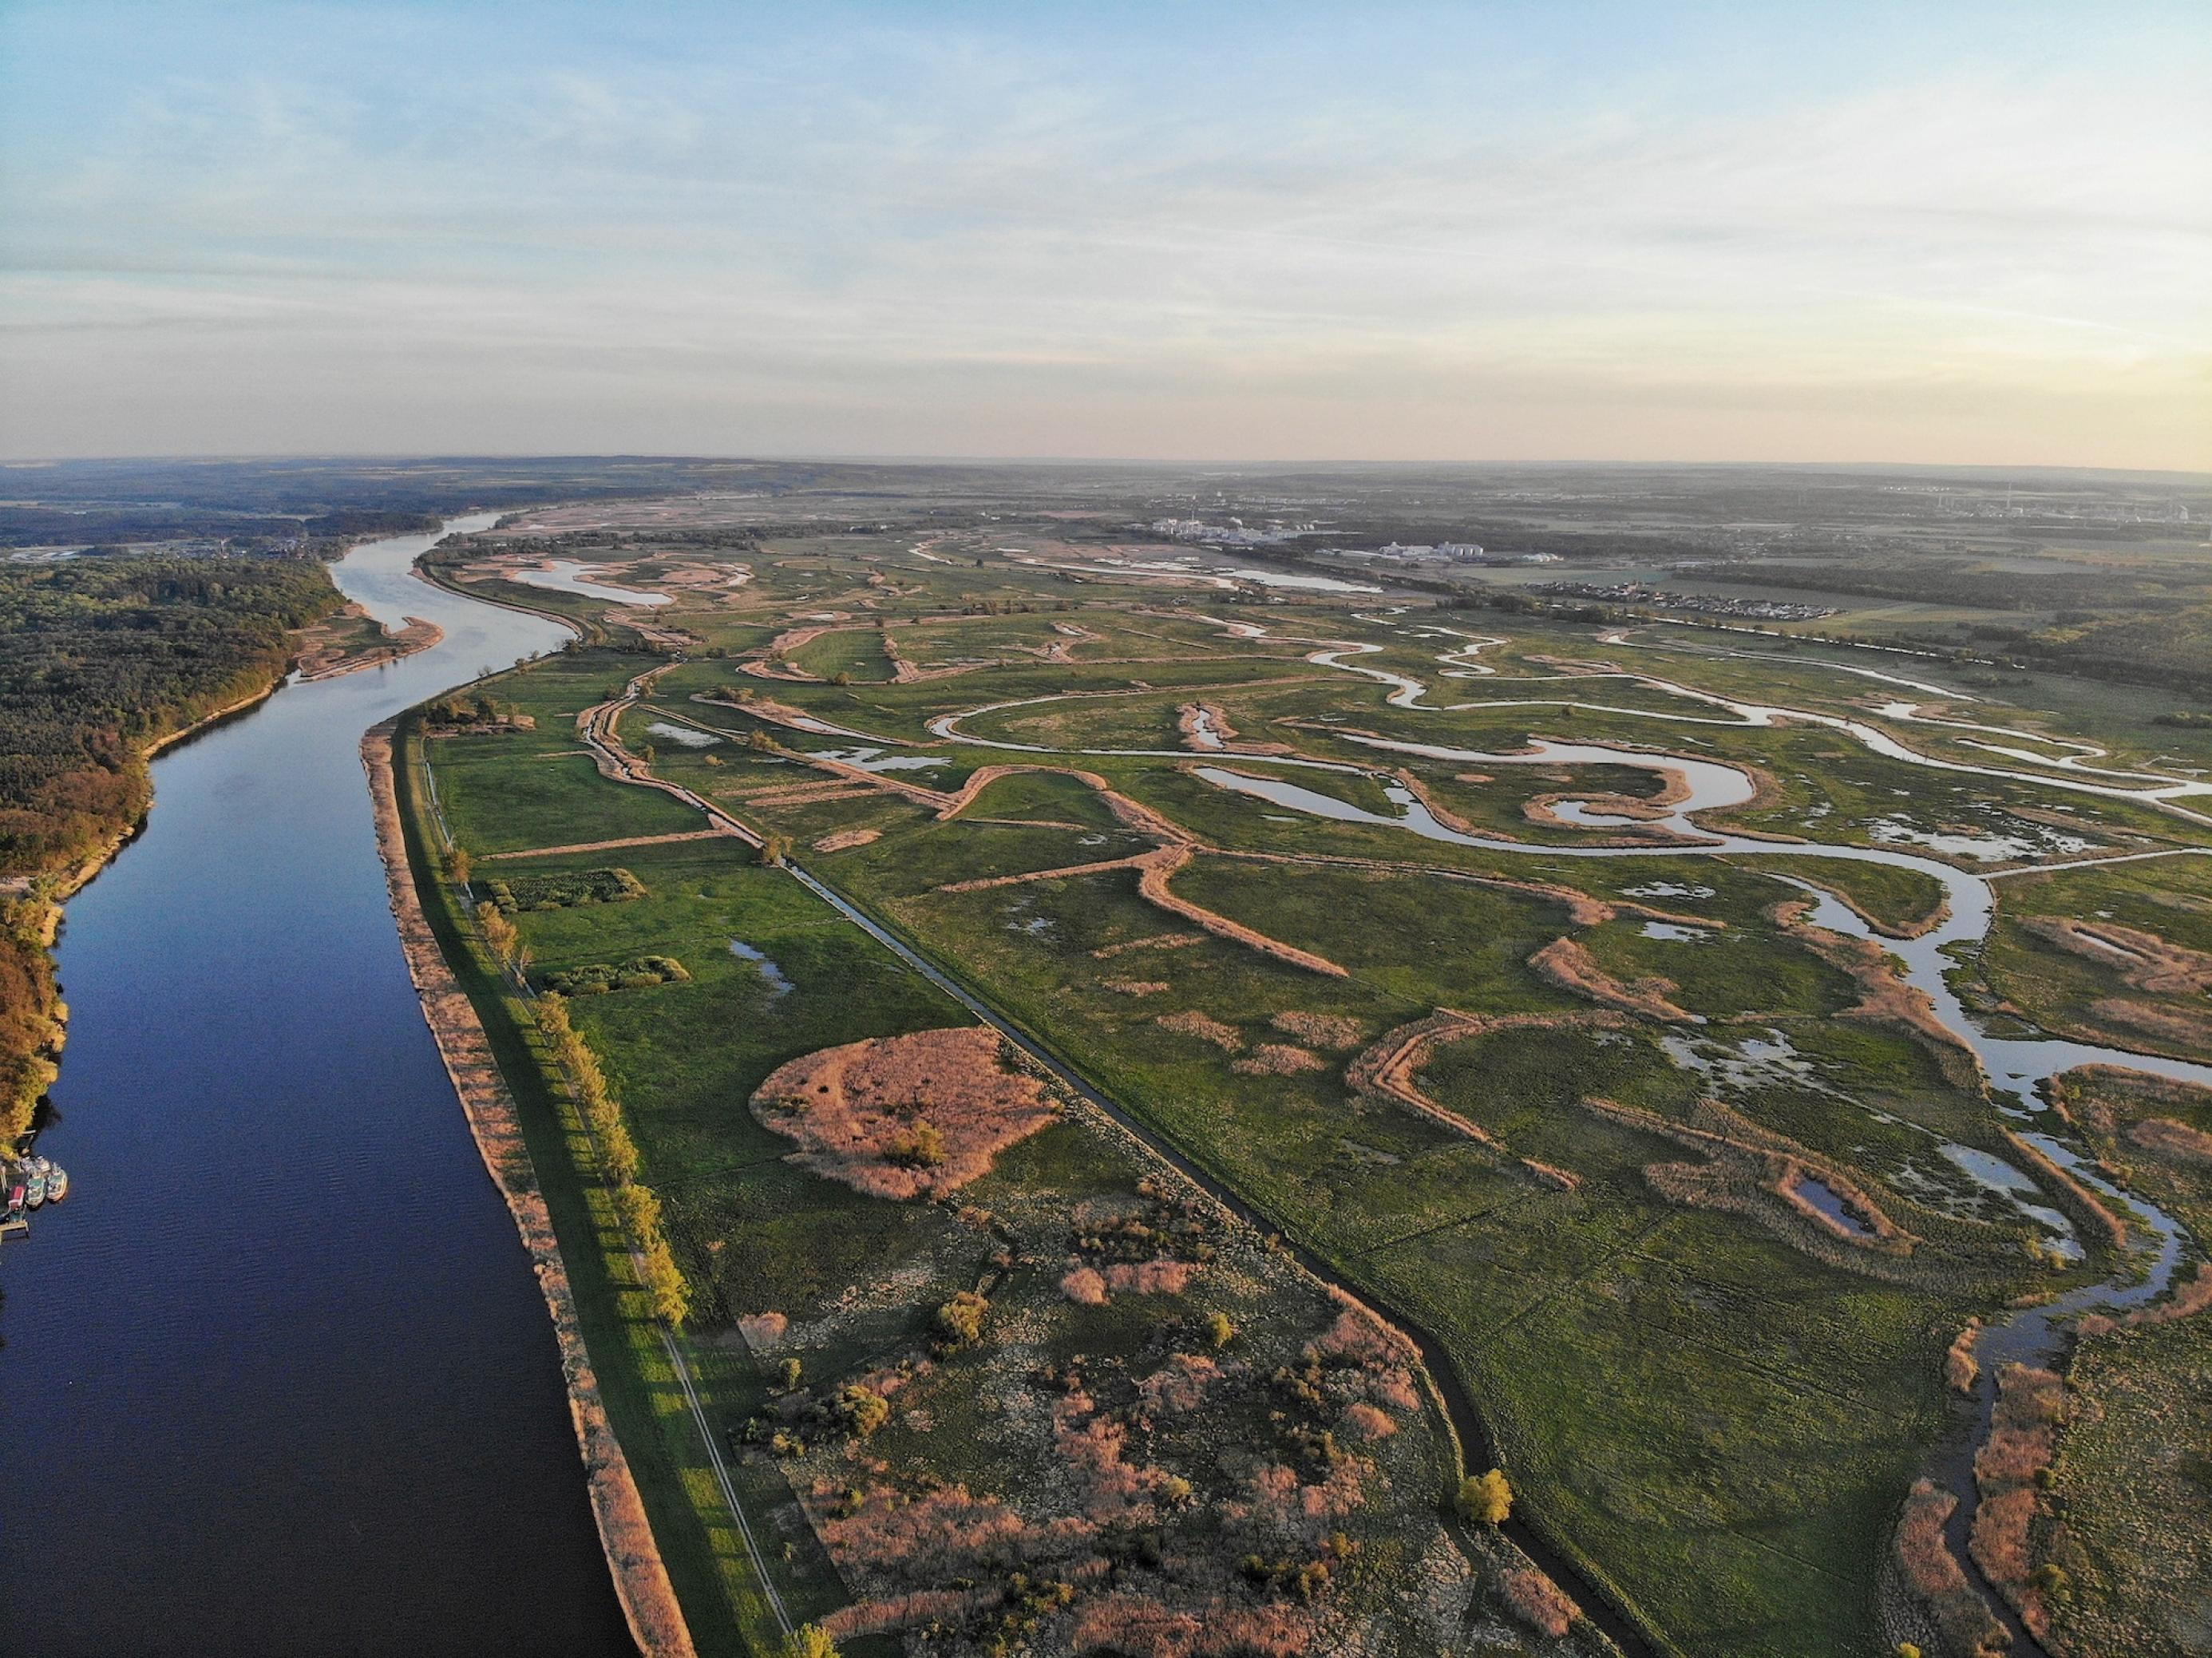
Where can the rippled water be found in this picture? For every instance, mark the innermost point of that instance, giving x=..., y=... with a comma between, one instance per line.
x=278, y=1378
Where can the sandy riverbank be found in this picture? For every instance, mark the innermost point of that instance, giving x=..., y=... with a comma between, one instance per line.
x=641, y=1578
x=322, y=653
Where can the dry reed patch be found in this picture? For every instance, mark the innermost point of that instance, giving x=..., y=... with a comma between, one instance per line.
x=1136, y=986
x=2171, y=1025
x=2162, y=1137
x=1753, y=1172
x=1157, y=941
x=1936, y=1580
x=1884, y=998
x=1188, y=726
x=1133, y=1625
x=904, y=1116
x=1158, y=866
x=2189, y=1296
x=1192, y=1023
x=843, y=840
x=2083, y=1206
x=1538, y=1602
x=762, y=1330
x=1320, y=1029
x=1388, y=1067
x=2023, y=1436
x=1276, y=1059
x=1565, y=963
x=1961, y=1369
x=2143, y=960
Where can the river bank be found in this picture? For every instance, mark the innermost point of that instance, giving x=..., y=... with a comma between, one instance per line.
x=641, y=1578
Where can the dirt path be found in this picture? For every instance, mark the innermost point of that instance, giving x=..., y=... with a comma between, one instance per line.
x=641, y=1578
x=607, y=846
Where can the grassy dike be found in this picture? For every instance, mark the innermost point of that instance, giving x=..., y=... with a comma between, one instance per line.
x=724, y=1600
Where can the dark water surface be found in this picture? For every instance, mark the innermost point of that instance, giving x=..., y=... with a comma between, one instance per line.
x=277, y=1378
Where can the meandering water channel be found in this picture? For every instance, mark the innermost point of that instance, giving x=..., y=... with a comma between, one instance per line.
x=2018, y=1068
x=278, y=1378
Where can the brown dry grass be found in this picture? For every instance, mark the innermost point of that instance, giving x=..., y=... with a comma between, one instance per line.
x=1538, y=1602
x=1884, y=998
x=2083, y=1206
x=857, y=1111
x=1137, y=986
x=1157, y=941
x=2172, y=1025
x=2023, y=1434
x=1275, y=1060
x=1186, y=718
x=2143, y=960
x=1936, y=1578
x=1191, y=1022
x=1961, y=1369
x=842, y=840
x=1754, y=1172
x=1568, y=965
x=1160, y=866
x=1320, y=1029
x=2162, y=1137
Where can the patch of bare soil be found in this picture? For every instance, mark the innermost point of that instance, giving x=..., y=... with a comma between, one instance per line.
x=904, y=1117
x=841, y=840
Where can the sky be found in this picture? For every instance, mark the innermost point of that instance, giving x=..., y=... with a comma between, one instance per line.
x=1952, y=233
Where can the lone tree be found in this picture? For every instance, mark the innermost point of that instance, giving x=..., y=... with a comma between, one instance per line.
x=960, y=1320
x=1485, y=1498
x=810, y=1641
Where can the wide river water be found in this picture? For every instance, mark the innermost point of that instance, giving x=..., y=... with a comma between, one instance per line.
x=277, y=1378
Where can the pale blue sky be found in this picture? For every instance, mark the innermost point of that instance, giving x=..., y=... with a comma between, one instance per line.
x=1757, y=231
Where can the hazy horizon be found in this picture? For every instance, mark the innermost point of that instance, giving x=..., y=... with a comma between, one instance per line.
x=1249, y=236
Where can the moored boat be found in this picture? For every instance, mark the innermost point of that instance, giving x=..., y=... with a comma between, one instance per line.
x=56, y=1184
x=34, y=1188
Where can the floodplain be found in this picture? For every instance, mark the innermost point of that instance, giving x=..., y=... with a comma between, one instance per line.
x=1714, y=1082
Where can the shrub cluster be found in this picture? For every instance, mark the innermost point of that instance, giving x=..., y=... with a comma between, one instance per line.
x=564, y=890
x=597, y=978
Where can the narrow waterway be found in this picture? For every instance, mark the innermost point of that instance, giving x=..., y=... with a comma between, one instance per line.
x=277, y=1378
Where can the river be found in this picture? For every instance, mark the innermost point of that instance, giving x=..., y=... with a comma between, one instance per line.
x=277, y=1378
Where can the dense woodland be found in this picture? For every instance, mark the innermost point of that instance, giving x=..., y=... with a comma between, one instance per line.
x=100, y=657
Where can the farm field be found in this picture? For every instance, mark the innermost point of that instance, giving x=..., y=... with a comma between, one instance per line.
x=1660, y=1070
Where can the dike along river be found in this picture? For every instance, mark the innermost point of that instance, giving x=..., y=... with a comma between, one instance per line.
x=277, y=1378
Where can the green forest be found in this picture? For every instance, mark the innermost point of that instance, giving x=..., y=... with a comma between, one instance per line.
x=98, y=659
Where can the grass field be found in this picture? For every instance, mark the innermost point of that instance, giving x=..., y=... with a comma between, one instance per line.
x=1711, y=1409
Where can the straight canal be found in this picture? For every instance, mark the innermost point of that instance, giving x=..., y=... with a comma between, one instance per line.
x=278, y=1379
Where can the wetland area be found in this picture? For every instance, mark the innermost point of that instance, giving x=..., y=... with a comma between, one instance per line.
x=1094, y=1103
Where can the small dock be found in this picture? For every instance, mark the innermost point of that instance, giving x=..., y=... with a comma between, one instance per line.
x=14, y=1226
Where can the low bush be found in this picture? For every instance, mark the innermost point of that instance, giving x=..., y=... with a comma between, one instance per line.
x=597, y=978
